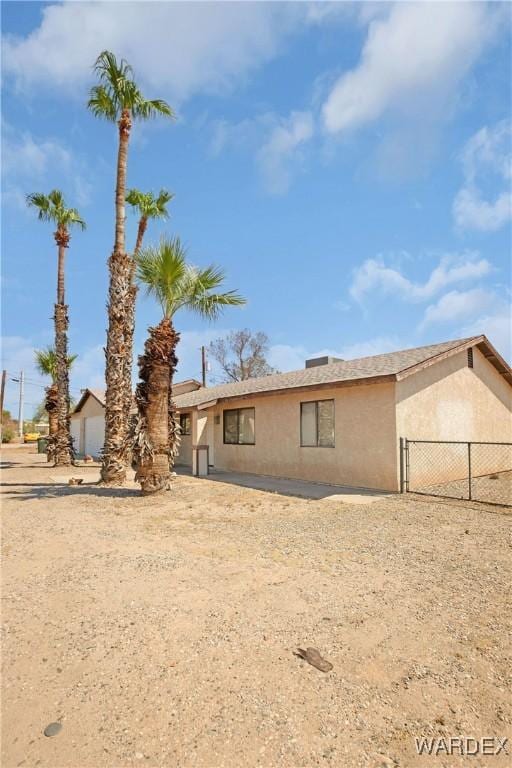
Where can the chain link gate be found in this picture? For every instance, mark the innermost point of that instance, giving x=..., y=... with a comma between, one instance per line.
x=475, y=471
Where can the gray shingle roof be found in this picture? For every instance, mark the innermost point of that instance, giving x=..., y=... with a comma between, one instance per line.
x=359, y=369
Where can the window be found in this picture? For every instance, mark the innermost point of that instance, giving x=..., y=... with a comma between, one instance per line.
x=185, y=423
x=317, y=424
x=239, y=426
x=470, y=357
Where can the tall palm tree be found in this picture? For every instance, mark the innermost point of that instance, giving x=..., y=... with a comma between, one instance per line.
x=147, y=206
x=176, y=285
x=46, y=365
x=53, y=208
x=117, y=98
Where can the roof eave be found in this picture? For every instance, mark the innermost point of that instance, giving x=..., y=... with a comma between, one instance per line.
x=86, y=394
x=483, y=344
x=381, y=379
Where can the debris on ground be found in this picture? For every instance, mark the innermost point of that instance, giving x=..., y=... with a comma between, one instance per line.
x=313, y=657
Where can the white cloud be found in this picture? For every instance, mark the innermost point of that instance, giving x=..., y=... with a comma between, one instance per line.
x=497, y=326
x=419, y=52
x=26, y=156
x=175, y=48
x=374, y=275
x=29, y=161
x=280, y=154
x=486, y=159
x=288, y=357
x=89, y=369
x=456, y=306
x=276, y=143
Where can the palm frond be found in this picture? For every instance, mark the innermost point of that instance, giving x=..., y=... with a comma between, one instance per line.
x=46, y=362
x=210, y=305
x=149, y=206
x=148, y=108
x=117, y=90
x=45, y=212
x=52, y=207
x=102, y=103
x=110, y=70
x=74, y=218
x=176, y=285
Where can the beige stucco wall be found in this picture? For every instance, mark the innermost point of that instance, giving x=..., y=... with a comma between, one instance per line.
x=365, y=434
x=450, y=401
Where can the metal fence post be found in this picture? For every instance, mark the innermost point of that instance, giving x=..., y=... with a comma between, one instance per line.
x=407, y=465
x=401, y=465
x=469, y=470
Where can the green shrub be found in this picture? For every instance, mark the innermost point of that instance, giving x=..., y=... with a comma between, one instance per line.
x=7, y=435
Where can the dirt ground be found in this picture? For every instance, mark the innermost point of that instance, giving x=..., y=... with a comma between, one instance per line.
x=162, y=631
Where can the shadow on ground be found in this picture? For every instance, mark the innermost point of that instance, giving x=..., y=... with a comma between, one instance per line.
x=51, y=490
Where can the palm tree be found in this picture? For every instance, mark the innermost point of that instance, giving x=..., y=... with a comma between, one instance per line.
x=53, y=208
x=148, y=206
x=176, y=285
x=46, y=365
x=117, y=98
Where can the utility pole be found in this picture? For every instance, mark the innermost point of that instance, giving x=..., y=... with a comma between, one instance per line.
x=20, y=409
x=2, y=393
x=203, y=365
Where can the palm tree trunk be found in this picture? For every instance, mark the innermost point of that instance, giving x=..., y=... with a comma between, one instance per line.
x=51, y=405
x=62, y=445
x=113, y=468
x=129, y=334
x=153, y=395
x=63, y=454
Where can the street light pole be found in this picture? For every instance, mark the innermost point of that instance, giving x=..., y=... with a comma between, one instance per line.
x=203, y=365
x=20, y=409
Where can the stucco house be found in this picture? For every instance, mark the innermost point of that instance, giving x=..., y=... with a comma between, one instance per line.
x=335, y=421
x=88, y=418
x=340, y=421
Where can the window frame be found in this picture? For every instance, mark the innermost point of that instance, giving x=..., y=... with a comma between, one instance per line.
x=237, y=411
x=186, y=415
x=316, y=402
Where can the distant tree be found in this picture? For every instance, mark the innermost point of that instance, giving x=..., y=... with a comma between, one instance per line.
x=242, y=355
x=40, y=413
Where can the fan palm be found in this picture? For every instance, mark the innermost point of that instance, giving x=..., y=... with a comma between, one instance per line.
x=147, y=206
x=46, y=365
x=176, y=285
x=117, y=98
x=52, y=208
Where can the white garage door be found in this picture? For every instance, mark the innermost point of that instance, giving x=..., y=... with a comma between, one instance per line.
x=75, y=433
x=94, y=434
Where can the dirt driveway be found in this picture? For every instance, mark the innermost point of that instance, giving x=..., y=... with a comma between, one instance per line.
x=162, y=631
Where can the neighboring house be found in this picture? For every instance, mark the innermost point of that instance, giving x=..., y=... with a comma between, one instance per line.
x=340, y=421
x=88, y=418
x=88, y=423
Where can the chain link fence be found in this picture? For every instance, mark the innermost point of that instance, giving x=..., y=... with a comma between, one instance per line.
x=475, y=471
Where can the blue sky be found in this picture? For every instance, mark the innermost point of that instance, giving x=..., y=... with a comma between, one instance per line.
x=347, y=164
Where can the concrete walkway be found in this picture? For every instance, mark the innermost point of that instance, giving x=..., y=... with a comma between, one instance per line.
x=301, y=488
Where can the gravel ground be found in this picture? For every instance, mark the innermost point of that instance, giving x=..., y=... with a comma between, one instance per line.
x=162, y=631
x=494, y=489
